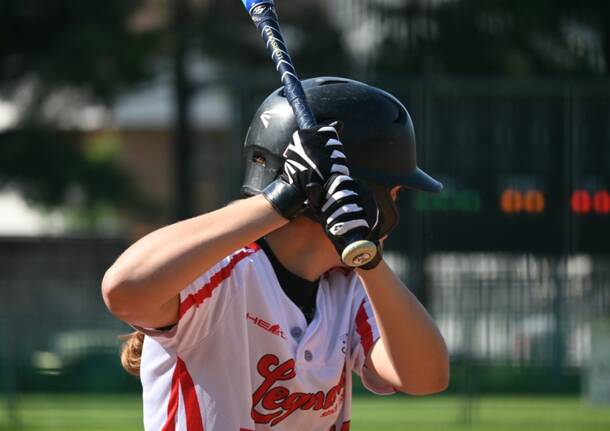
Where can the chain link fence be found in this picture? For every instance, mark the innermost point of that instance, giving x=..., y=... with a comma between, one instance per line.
x=511, y=290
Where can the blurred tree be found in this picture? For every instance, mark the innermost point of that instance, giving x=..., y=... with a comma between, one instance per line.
x=50, y=167
x=483, y=37
x=58, y=57
x=225, y=32
x=51, y=46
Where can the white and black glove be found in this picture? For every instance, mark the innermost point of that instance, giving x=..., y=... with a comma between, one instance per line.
x=313, y=156
x=348, y=212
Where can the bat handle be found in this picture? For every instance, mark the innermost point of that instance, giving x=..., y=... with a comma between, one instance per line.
x=359, y=252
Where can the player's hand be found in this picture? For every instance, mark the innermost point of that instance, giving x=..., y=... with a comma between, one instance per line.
x=314, y=155
x=311, y=158
x=348, y=210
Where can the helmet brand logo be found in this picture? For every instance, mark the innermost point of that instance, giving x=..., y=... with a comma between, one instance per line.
x=267, y=115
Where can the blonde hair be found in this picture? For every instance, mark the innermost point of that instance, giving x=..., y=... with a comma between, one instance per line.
x=131, y=352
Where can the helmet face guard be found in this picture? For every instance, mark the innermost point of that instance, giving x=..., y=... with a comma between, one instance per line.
x=378, y=139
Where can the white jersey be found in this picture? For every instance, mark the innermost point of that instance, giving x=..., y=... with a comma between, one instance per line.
x=242, y=356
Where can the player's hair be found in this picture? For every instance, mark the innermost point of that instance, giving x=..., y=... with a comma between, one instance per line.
x=131, y=352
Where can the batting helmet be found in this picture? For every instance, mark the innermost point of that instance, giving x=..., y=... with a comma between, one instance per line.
x=378, y=139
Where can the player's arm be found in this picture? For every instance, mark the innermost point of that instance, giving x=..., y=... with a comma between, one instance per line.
x=142, y=287
x=411, y=354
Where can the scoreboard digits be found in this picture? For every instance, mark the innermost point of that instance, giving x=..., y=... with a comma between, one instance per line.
x=512, y=202
x=584, y=202
x=526, y=167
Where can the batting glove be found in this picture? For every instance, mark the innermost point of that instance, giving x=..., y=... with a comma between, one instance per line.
x=349, y=211
x=312, y=157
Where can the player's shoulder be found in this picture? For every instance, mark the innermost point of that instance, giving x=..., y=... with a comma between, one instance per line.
x=341, y=276
x=246, y=250
x=340, y=270
x=246, y=254
x=345, y=287
x=227, y=268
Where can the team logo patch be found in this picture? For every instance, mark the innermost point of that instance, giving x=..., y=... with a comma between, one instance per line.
x=273, y=402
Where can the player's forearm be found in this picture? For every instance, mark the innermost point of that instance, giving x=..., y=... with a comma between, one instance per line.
x=412, y=344
x=157, y=267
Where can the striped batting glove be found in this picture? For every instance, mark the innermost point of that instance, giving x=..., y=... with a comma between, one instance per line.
x=349, y=209
x=312, y=157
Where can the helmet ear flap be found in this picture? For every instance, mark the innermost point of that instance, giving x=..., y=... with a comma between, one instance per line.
x=388, y=212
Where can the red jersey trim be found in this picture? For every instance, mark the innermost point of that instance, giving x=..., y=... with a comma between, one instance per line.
x=344, y=427
x=205, y=291
x=172, y=405
x=364, y=328
x=181, y=379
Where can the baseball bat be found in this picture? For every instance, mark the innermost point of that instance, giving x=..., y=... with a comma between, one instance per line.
x=359, y=251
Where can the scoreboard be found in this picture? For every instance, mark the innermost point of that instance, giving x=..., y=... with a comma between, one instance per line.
x=526, y=167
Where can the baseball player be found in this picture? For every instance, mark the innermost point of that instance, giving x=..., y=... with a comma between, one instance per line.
x=246, y=317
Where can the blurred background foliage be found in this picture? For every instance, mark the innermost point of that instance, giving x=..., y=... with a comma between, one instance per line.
x=517, y=312
x=58, y=59
x=50, y=47
x=66, y=56
x=496, y=37
x=223, y=31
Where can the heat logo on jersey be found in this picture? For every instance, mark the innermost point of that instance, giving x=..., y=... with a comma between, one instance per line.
x=279, y=402
x=272, y=329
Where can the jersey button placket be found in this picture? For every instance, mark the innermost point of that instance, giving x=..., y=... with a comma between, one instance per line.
x=308, y=355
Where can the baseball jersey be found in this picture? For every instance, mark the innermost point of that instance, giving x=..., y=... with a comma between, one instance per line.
x=242, y=356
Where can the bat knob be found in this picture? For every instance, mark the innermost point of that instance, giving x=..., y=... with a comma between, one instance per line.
x=359, y=253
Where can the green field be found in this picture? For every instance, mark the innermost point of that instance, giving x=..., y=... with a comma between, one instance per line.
x=122, y=413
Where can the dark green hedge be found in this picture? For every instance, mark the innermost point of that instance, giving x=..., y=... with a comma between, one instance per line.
x=101, y=373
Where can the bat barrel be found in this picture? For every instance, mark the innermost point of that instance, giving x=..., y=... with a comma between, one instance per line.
x=264, y=16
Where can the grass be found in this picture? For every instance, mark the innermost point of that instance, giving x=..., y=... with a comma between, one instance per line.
x=440, y=413
x=489, y=413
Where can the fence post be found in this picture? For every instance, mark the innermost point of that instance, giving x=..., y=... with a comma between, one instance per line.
x=558, y=317
x=7, y=356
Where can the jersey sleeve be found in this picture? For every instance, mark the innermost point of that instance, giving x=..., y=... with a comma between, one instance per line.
x=365, y=334
x=203, y=303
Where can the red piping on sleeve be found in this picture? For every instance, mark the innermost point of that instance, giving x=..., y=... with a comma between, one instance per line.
x=205, y=292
